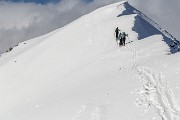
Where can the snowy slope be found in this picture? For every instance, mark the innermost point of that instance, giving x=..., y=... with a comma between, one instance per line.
x=79, y=73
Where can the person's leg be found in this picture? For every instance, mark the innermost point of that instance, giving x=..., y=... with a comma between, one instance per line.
x=117, y=36
x=121, y=42
x=124, y=41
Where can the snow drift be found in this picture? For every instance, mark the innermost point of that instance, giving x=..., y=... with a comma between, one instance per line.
x=78, y=72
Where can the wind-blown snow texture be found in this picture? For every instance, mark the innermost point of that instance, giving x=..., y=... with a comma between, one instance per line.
x=79, y=73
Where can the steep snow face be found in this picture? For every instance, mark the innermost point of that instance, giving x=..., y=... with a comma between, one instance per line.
x=145, y=27
x=80, y=73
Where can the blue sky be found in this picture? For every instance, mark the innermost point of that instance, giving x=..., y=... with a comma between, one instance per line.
x=42, y=1
x=35, y=1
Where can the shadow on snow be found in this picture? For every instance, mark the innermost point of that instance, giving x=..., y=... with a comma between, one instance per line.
x=146, y=27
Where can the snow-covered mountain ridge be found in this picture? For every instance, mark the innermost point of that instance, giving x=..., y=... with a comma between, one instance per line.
x=154, y=28
x=80, y=73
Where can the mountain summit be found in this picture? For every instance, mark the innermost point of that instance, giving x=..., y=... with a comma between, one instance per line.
x=78, y=72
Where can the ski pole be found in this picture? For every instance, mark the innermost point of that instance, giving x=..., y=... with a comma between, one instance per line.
x=128, y=39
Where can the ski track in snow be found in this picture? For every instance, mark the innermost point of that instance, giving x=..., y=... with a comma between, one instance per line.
x=135, y=56
x=155, y=91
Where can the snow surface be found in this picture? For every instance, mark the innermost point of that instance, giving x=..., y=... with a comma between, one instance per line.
x=79, y=72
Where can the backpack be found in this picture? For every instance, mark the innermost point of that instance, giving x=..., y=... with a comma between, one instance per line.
x=123, y=34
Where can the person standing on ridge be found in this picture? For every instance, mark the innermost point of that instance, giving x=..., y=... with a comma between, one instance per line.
x=123, y=38
x=117, y=33
x=120, y=39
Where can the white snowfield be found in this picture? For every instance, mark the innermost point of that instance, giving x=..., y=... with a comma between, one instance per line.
x=80, y=73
